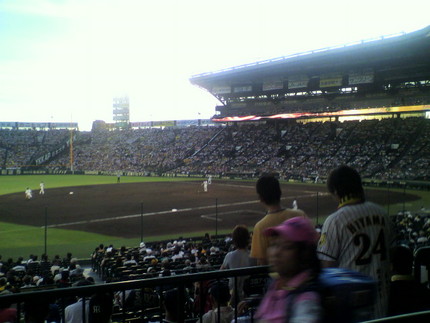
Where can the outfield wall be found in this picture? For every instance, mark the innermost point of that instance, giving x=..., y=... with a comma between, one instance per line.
x=398, y=184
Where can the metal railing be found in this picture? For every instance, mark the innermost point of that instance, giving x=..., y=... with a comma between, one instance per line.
x=58, y=295
x=180, y=282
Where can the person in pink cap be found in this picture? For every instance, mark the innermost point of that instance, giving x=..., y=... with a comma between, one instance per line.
x=292, y=255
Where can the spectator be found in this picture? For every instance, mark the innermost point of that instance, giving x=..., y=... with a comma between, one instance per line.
x=358, y=235
x=269, y=192
x=73, y=312
x=101, y=307
x=171, y=306
x=19, y=266
x=64, y=281
x=219, y=295
x=8, y=314
x=130, y=261
x=3, y=286
x=237, y=259
x=292, y=255
x=27, y=281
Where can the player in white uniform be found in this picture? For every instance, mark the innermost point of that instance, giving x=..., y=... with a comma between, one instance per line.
x=358, y=235
x=28, y=194
x=210, y=179
x=205, y=186
x=295, y=205
x=42, y=188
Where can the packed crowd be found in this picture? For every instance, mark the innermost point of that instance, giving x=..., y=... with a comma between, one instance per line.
x=310, y=150
x=387, y=149
x=413, y=228
x=110, y=264
x=32, y=272
x=160, y=258
x=142, y=150
x=22, y=147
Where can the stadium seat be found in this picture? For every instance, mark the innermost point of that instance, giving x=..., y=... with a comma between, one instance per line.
x=422, y=259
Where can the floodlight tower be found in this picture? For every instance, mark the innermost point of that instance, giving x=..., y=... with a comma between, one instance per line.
x=121, y=112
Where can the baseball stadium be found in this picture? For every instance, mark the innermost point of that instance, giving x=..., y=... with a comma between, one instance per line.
x=127, y=184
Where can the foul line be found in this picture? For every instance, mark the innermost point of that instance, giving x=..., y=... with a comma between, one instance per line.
x=160, y=213
x=149, y=214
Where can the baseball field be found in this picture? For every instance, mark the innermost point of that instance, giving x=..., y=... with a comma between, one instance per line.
x=79, y=212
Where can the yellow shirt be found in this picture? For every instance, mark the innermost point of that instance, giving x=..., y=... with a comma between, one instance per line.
x=260, y=242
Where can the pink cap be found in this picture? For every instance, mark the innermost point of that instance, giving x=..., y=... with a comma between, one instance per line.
x=297, y=229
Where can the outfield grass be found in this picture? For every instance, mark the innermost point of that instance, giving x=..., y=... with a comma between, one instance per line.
x=15, y=184
x=19, y=240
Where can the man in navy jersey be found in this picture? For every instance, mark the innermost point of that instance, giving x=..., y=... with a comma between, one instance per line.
x=358, y=235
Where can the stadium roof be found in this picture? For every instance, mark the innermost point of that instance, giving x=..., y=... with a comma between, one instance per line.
x=400, y=55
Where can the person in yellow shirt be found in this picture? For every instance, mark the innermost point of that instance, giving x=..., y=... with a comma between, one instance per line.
x=269, y=192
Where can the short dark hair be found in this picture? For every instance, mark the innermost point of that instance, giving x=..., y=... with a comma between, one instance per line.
x=344, y=182
x=170, y=302
x=240, y=236
x=268, y=189
x=220, y=292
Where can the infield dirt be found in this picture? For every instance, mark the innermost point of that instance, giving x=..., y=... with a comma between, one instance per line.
x=121, y=210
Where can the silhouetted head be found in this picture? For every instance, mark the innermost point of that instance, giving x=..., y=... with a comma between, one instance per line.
x=345, y=183
x=220, y=293
x=240, y=236
x=269, y=190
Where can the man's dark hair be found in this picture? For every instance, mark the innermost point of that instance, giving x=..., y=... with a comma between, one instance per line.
x=171, y=303
x=220, y=292
x=269, y=190
x=240, y=236
x=345, y=182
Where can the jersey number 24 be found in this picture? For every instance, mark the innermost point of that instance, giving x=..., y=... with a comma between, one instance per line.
x=368, y=249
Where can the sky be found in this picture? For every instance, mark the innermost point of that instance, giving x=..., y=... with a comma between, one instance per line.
x=65, y=60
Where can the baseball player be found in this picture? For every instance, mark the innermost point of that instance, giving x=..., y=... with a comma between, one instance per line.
x=205, y=186
x=28, y=194
x=42, y=188
x=210, y=179
x=295, y=205
x=358, y=235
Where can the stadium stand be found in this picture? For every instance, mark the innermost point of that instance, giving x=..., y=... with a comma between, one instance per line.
x=109, y=264
x=393, y=148
x=23, y=147
x=295, y=150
